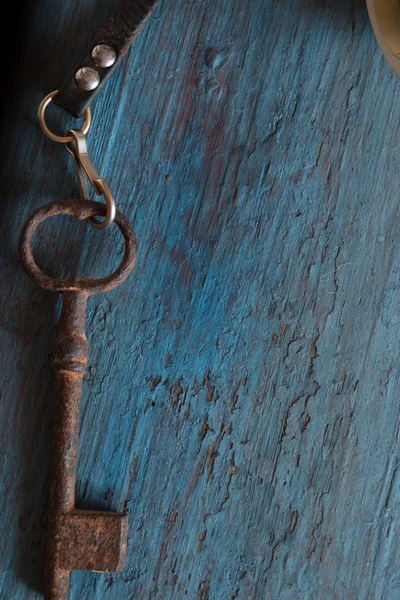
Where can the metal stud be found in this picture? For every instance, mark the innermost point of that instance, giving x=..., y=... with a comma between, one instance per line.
x=104, y=56
x=87, y=79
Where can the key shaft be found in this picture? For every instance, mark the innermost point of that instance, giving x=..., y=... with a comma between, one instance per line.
x=78, y=540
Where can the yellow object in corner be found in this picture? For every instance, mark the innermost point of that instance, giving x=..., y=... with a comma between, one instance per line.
x=385, y=19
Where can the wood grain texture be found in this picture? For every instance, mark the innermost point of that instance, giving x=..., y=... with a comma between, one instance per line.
x=242, y=397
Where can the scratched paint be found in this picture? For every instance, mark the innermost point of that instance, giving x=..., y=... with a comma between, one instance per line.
x=242, y=396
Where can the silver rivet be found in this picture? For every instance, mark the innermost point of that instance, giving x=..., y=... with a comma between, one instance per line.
x=87, y=79
x=104, y=55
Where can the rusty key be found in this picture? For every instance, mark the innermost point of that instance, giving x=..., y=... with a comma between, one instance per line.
x=78, y=540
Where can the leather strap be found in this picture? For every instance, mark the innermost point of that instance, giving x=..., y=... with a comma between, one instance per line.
x=118, y=33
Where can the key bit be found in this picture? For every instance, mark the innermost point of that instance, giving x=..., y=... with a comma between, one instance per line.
x=78, y=540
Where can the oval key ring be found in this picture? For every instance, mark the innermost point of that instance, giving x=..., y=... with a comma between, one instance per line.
x=80, y=209
x=60, y=138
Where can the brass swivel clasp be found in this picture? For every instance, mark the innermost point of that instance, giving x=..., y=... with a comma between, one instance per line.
x=87, y=172
x=75, y=142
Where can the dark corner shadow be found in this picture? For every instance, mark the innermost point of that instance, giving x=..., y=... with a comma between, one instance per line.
x=346, y=5
x=354, y=13
x=39, y=61
x=29, y=66
x=30, y=555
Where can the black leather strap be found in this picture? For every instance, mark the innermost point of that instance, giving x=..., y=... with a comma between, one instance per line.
x=119, y=32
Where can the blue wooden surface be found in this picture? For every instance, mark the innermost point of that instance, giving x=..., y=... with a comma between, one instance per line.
x=242, y=397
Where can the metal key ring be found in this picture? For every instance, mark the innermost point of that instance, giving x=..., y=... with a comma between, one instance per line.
x=59, y=138
x=80, y=209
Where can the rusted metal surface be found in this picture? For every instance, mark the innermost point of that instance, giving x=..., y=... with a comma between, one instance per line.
x=77, y=540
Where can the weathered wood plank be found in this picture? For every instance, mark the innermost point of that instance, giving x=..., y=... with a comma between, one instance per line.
x=242, y=396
